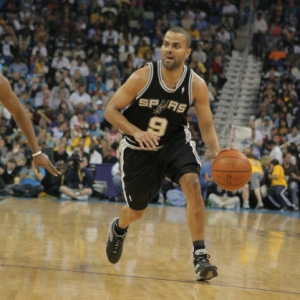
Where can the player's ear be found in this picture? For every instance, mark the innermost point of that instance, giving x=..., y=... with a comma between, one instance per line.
x=188, y=52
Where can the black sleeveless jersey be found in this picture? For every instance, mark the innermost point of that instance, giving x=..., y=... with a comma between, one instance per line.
x=159, y=109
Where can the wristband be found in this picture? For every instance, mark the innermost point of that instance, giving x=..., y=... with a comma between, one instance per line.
x=37, y=153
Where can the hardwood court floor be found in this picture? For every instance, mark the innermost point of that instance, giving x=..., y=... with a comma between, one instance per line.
x=56, y=250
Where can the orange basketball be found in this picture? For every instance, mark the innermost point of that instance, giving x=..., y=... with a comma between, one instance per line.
x=231, y=169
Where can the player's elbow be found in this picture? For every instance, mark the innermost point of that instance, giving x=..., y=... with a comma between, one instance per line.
x=109, y=113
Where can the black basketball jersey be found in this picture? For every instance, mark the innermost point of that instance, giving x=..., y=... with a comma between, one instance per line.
x=159, y=109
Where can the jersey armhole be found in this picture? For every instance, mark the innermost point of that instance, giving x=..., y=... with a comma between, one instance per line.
x=148, y=82
x=191, y=87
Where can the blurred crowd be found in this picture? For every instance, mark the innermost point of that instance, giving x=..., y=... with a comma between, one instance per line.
x=275, y=139
x=65, y=59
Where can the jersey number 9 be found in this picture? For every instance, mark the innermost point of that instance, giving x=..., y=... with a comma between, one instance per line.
x=157, y=126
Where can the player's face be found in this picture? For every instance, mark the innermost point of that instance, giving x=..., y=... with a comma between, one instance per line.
x=174, y=50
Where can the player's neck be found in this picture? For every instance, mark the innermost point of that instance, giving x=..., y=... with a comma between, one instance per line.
x=171, y=77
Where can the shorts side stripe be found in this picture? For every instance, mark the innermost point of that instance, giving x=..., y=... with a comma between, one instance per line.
x=193, y=145
x=122, y=147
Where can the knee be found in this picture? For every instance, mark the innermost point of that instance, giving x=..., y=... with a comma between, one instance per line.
x=136, y=214
x=190, y=183
x=62, y=188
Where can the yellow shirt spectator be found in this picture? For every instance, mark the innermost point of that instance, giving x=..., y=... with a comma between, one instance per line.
x=256, y=165
x=280, y=180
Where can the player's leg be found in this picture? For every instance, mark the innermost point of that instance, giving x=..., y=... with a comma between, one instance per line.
x=195, y=205
x=141, y=183
x=182, y=165
x=190, y=185
x=118, y=232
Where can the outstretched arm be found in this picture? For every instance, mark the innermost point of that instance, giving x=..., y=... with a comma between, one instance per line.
x=14, y=106
x=205, y=120
x=122, y=98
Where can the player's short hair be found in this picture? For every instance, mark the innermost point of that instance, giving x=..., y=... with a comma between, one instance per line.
x=181, y=30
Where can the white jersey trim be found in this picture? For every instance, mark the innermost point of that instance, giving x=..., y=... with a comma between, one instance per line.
x=161, y=82
x=191, y=87
x=148, y=82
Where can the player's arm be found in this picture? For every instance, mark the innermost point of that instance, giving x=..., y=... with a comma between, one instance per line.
x=122, y=98
x=14, y=106
x=205, y=120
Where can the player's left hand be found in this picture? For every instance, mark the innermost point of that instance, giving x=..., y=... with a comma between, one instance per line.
x=43, y=161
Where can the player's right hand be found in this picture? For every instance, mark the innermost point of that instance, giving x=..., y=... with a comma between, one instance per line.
x=146, y=140
x=42, y=161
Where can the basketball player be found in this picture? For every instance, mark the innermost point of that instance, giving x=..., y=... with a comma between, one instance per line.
x=14, y=106
x=157, y=142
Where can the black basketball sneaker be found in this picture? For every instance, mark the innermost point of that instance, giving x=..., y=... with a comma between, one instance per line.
x=114, y=245
x=204, y=270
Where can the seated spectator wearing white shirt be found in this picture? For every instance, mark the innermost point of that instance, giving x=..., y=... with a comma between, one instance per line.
x=124, y=50
x=266, y=127
x=41, y=49
x=110, y=35
x=80, y=98
x=224, y=37
x=230, y=11
x=60, y=62
x=95, y=156
x=80, y=65
x=275, y=152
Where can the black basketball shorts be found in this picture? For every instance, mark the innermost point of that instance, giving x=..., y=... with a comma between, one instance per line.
x=143, y=171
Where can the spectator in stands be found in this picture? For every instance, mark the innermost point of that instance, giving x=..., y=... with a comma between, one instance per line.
x=10, y=174
x=60, y=62
x=17, y=66
x=224, y=199
x=224, y=37
x=61, y=154
x=117, y=180
x=275, y=152
x=80, y=99
x=230, y=10
x=276, y=193
x=260, y=28
x=256, y=140
x=292, y=176
x=30, y=180
x=3, y=149
x=265, y=127
x=199, y=53
x=186, y=21
x=217, y=67
x=277, y=57
x=294, y=135
x=255, y=182
x=7, y=50
x=16, y=154
x=78, y=180
x=80, y=65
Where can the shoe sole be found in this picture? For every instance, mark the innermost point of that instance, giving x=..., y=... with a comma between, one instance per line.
x=207, y=274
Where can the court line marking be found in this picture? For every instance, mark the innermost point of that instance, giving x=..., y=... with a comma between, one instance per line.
x=150, y=278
